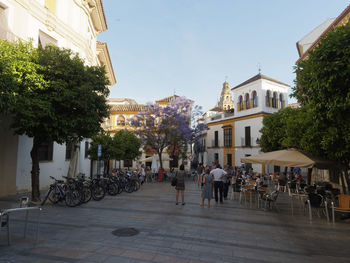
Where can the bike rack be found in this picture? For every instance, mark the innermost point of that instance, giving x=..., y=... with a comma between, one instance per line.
x=5, y=219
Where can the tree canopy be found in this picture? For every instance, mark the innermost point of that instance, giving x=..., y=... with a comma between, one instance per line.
x=161, y=127
x=124, y=145
x=323, y=82
x=18, y=73
x=290, y=128
x=70, y=105
x=128, y=143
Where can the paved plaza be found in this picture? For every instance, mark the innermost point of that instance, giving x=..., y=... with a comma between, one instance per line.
x=228, y=232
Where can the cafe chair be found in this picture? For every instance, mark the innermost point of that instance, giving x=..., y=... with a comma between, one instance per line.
x=344, y=205
x=261, y=191
x=318, y=203
x=246, y=191
x=270, y=199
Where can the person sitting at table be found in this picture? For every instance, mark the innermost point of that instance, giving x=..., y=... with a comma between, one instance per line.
x=258, y=180
x=300, y=178
x=282, y=181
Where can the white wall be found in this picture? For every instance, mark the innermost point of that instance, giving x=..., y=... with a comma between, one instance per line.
x=209, y=144
x=70, y=26
x=273, y=86
x=260, y=86
x=241, y=91
x=255, y=125
x=57, y=168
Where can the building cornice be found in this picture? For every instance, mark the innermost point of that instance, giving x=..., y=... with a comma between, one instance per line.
x=53, y=23
x=105, y=59
x=257, y=77
x=94, y=10
x=234, y=119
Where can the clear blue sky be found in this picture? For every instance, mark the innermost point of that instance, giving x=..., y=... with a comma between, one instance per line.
x=158, y=46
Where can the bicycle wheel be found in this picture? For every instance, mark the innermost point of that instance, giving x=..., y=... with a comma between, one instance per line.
x=46, y=196
x=87, y=194
x=97, y=192
x=112, y=189
x=129, y=187
x=72, y=198
x=54, y=195
x=137, y=185
x=121, y=188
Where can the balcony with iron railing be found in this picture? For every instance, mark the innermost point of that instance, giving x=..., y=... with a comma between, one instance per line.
x=250, y=141
x=216, y=117
x=229, y=114
x=215, y=143
x=246, y=141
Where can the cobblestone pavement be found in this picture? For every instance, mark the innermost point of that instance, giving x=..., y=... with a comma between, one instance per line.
x=228, y=232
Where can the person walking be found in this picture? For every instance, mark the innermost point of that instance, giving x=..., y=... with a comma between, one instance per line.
x=207, y=190
x=142, y=173
x=226, y=180
x=199, y=174
x=180, y=184
x=218, y=175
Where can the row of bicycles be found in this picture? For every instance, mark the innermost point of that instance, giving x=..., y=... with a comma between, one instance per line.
x=80, y=190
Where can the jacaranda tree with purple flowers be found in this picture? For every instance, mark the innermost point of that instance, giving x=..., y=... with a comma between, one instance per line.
x=167, y=127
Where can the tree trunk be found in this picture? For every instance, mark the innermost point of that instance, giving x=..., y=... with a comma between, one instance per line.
x=343, y=182
x=160, y=160
x=309, y=173
x=347, y=179
x=35, y=170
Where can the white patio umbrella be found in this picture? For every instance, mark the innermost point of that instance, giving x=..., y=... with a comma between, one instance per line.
x=154, y=166
x=205, y=159
x=74, y=164
x=150, y=159
x=200, y=158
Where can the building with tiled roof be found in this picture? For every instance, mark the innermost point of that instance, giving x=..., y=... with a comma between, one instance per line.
x=257, y=77
x=165, y=101
x=322, y=30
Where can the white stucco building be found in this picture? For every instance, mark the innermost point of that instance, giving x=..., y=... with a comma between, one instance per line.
x=235, y=134
x=72, y=24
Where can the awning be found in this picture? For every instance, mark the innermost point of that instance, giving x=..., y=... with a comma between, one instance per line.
x=289, y=158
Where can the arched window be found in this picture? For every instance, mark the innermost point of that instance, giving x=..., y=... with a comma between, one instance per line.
x=268, y=98
x=121, y=120
x=240, y=103
x=224, y=107
x=228, y=107
x=226, y=97
x=255, y=99
x=247, y=101
x=274, y=100
x=281, y=101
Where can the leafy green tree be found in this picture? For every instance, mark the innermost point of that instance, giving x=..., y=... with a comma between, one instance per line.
x=273, y=132
x=18, y=73
x=323, y=82
x=126, y=145
x=108, y=149
x=61, y=101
